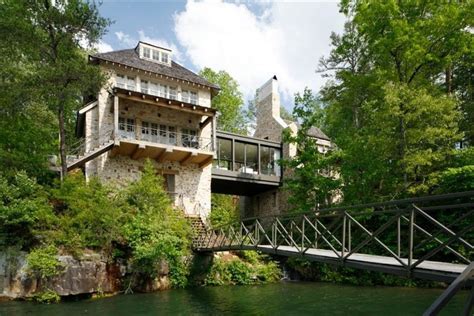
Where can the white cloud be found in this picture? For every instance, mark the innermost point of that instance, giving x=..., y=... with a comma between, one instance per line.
x=286, y=40
x=125, y=39
x=103, y=47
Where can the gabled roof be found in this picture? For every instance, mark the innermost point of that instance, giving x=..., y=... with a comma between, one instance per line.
x=313, y=131
x=130, y=58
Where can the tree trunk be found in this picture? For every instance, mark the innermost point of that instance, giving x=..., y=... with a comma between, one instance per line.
x=449, y=77
x=62, y=142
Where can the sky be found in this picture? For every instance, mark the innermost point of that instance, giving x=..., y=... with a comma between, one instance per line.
x=251, y=40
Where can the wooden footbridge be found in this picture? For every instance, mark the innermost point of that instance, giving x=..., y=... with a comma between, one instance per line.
x=429, y=238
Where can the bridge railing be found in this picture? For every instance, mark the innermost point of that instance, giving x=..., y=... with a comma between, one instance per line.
x=409, y=232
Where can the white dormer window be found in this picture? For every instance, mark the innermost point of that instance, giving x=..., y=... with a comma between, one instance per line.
x=154, y=53
x=146, y=52
x=164, y=57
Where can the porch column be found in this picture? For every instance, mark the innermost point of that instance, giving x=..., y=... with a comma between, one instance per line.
x=214, y=136
x=116, y=119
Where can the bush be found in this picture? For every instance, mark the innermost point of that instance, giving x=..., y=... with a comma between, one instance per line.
x=88, y=213
x=43, y=263
x=154, y=231
x=250, y=268
x=25, y=214
x=47, y=297
x=224, y=211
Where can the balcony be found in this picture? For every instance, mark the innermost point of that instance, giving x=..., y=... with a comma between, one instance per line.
x=139, y=135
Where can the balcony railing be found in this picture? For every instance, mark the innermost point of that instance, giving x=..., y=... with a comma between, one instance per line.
x=165, y=137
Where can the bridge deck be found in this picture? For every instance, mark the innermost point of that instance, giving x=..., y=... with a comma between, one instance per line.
x=431, y=270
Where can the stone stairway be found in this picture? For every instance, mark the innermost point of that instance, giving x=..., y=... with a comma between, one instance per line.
x=199, y=229
x=80, y=160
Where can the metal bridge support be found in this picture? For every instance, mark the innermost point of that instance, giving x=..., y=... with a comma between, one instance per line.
x=457, y=284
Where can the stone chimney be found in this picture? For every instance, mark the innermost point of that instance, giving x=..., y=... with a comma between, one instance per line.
x=269, y=123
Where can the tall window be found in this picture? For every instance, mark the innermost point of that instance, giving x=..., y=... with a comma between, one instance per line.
x=189, y=97
x=146, y=52
x=156, y=55
x=173, y=95
x=185, y=96
x=164, y=57
x=224, y=154
x=125, y=82
x=189, y=138
x=193, y=97
x=127, y=127
x=167, y=134
x=144, y=86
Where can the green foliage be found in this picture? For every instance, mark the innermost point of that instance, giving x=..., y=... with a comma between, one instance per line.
x=388, y=109
x=46, y=36
x=153, y=230
x=43, y=262
x=224, y=210
x=250, y=268
x=228, y=102
x=313, y=180
x=47, y=297
x=25, y=215
x=89, y=214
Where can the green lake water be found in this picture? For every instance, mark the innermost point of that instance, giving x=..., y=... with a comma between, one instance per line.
x=284, y=298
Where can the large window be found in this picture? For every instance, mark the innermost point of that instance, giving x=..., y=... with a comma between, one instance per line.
x=224, y=154
x=164, y=57
x=246, y=158
x=269, y=160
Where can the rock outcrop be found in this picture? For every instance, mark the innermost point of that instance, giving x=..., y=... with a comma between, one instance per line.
x=88, y=275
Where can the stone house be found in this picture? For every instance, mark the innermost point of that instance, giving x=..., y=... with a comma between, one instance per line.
x=152, y=107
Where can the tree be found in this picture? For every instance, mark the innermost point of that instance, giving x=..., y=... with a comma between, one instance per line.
x=388, y=111
x=314, y=179
x=50, y=33
x=228, y=102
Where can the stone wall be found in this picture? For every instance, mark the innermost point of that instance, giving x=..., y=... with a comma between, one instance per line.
x=192, y=184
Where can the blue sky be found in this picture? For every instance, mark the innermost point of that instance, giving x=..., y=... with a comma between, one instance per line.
x=250, y=40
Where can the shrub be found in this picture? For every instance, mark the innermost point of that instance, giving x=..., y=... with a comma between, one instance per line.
x=43, y=263
x=25, y=214
x=89, y=214
x=224, y=211
x=47, y=297
x=154, y=231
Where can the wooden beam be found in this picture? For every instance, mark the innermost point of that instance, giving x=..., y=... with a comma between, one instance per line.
x=114, y=152
x=206, y=162
x=165, y=154
x=170, y=104
x=206, y=121
x=188, y=158
x=138, y=151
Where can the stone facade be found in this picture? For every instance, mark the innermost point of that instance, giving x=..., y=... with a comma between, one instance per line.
x=271, y=127
x=190, y=184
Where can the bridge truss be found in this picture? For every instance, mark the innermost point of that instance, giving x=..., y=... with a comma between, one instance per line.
x=429, y=237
